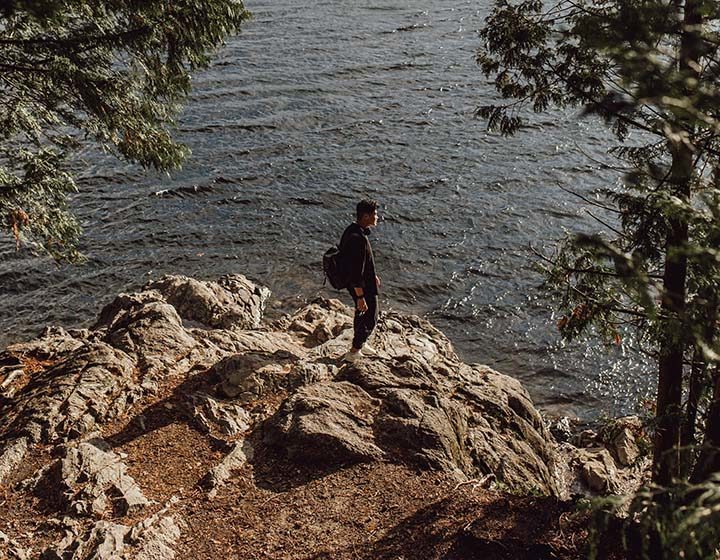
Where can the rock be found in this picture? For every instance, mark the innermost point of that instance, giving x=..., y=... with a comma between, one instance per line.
x=598, y=469
x=53, y=345
x=427, y=409
x=425, y=430
x=122, y=305
x=151, y=539
x=233, y=342
x=233, y=302
x=250, y=376
x=12, y=381
x=11, y=550
x=12, y=455
x=247, y=377
x=93, y=384
x=619, y=436
x=104, y=541
x=562, y=429
x=152, y=334
x=228, y=418
x=326, y=424
x=625, y=448
x=415, y=403
x=587, y=438
x=241, y=453
x=458, y=418
x=216, y=345
x=317, y=323
x=90, y=479
x=19, y=362
x=306, y=372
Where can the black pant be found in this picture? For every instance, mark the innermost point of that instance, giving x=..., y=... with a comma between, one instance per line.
x=364, y=323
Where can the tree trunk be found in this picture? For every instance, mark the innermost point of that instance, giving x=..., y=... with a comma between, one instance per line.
x=698, y=384
x=666, y=460
x=670, y=375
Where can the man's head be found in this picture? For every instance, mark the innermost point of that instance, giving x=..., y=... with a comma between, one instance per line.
x=367, y=213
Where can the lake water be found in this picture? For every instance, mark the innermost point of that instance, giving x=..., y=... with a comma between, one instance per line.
x=312, y=107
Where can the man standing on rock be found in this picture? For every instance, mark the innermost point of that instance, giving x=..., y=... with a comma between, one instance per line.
x=363, y=282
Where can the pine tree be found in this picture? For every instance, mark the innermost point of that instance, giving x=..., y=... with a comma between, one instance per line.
x=650, y=67
x=74, y=72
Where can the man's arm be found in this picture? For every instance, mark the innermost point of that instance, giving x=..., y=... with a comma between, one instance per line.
x=357, y=249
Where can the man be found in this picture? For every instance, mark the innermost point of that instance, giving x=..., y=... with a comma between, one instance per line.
x=363, y=282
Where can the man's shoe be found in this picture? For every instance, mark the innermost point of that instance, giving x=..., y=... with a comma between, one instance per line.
x=351, y=356
x=368, y=350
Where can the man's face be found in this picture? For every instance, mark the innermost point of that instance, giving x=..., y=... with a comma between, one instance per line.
x=371, y=219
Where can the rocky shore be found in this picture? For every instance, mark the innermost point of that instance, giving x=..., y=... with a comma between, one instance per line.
x=182, y=425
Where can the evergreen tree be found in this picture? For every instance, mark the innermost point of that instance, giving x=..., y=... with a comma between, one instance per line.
x=648, y=66
x=111, y=72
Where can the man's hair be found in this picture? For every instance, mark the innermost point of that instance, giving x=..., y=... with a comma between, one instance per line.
x=366, y=206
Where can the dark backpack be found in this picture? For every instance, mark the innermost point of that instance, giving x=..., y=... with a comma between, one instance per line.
x=334, y=269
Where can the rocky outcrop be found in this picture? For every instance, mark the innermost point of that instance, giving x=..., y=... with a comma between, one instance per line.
x=93, y=384
x=449, y=416
x=233, y=302
x=195, y=352
x=89, y=480
x=150, y=539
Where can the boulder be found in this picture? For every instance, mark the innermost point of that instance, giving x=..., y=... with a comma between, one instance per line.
x=598, y=469
x=233, y=302
x=122, y=305
x=470, y=419
x=621, y=435
x=153, y=335
x=327, y=424
x=625, y=447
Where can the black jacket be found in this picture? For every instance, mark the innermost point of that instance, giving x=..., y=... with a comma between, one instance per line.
x=358, y=258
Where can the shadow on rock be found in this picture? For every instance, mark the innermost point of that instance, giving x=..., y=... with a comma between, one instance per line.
x=176, y=408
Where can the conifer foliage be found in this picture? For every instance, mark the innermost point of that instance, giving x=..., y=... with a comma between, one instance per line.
x=109, y=72
x=652, y=68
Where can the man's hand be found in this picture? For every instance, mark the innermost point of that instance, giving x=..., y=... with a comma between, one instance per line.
x=377, y=281
x=361, y=305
